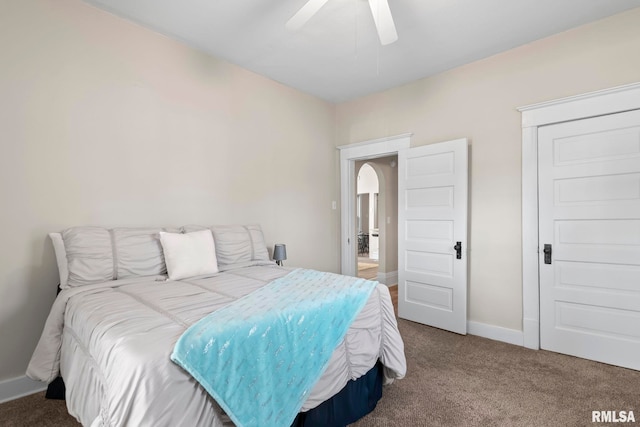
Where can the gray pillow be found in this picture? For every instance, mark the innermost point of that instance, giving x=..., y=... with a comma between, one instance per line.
x=236, y=243
x=89, y=255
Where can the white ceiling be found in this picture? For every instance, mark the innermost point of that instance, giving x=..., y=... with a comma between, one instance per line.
x=337, y=56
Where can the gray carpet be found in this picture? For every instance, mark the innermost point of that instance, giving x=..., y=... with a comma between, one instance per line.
x=457, y=380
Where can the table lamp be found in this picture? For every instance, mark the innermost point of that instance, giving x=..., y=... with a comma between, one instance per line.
x=279, y=253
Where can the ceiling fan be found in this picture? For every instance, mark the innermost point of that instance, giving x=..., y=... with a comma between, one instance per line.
x=379, y=9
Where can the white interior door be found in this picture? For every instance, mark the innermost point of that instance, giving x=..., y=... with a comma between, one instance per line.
x=432, y=223
x=589, y=212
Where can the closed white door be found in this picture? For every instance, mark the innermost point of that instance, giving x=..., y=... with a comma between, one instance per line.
x=589, y=223
x=432, y=235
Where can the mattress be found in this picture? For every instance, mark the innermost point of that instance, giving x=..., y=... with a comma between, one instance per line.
x=112, y=342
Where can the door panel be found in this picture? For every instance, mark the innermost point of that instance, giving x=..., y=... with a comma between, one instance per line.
x=589, y=201
x=432, y=217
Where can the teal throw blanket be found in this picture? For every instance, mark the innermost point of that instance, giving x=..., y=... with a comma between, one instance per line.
x=260, y=356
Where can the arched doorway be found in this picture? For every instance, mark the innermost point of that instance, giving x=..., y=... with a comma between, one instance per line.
x=367, y=213
x=376, y=219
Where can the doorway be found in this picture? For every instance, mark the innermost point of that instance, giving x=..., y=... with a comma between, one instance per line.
x=427, y=178
x=534, y=118
x=376, y=219
x=364, y=152
x=367, y=188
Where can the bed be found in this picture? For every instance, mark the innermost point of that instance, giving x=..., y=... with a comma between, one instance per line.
x=114, y=325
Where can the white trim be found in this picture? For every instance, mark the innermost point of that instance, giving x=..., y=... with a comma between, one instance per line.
x=609, y=101
x=348, y=155
x=530, y=288
x=389, y=278
x=497, y=333
x=581, y=106
x=374, y=141
x=15, y=388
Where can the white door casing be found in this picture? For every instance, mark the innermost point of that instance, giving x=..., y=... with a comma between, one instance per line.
x=432, y=218
x=589, y=223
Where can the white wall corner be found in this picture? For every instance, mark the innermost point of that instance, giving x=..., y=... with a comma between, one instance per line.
x=389, y=278
x=497, y=333
x=15, y=388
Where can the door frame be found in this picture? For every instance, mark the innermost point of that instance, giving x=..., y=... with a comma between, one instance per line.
x=371, y=149
x=592, y=104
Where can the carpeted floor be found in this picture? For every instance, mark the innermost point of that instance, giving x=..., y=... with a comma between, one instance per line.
x=455, y=380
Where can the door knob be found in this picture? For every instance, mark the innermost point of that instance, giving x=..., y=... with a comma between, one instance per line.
x=547, y=253
x=458, y=248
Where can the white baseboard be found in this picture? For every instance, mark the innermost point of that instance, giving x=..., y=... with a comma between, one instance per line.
x=389, y=278
x=15, y=388
x=498, y=333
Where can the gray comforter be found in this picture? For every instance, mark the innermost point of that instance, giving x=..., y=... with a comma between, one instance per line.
x=112, y=342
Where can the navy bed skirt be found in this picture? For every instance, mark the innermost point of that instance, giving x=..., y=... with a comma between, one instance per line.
x=353, y=402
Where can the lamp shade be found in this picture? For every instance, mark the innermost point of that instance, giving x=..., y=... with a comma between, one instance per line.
x=279, y=252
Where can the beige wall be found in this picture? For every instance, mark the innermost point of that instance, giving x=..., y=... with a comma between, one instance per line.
x=105, y=123
x=479, y=101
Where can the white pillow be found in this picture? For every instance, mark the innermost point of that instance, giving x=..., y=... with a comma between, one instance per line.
x=189, y=254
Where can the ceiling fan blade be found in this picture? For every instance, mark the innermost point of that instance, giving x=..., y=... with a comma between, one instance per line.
x=304, y=14
x=384, y=21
